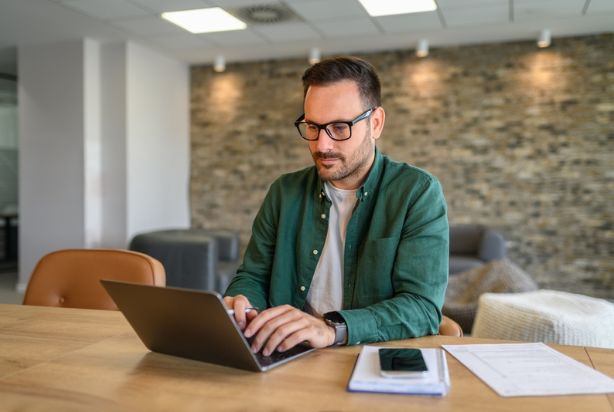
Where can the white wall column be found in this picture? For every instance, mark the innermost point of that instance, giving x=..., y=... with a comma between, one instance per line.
x=113, y=59
x=104, y=146
x=158, y=146
x=52, y=106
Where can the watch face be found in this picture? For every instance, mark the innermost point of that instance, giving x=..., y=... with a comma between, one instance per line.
x=334, y=317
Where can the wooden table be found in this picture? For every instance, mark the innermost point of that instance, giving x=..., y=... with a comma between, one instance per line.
x=74, y=360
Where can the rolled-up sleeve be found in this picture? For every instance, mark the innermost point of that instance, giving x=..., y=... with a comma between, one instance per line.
x=419, y=276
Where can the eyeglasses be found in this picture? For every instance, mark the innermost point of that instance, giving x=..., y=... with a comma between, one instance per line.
x=336, y=130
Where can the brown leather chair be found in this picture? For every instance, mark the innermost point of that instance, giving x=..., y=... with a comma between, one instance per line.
x=449, y=327
x=71, y=278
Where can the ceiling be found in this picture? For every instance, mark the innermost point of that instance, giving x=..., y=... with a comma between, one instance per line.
x=333, y=26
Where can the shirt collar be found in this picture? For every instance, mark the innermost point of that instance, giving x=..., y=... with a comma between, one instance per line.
x=369, y=185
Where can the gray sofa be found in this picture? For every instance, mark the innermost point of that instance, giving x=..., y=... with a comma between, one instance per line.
x=193, y=258
x=472, y=245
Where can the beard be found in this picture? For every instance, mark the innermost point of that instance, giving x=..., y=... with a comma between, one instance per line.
x=346, y=166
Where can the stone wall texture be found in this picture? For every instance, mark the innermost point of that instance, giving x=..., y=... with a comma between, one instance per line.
x=522, y=140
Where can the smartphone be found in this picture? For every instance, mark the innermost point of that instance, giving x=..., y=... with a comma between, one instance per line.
x=402, y=363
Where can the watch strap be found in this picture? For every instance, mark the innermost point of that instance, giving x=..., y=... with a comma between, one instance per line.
x=336, y=321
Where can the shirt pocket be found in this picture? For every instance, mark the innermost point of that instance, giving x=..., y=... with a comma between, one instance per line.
x=374, y=271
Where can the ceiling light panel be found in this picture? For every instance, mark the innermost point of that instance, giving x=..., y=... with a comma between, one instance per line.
x=391, y=7
x=204, y=20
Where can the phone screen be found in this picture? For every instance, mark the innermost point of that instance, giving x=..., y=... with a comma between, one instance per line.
x=401, y=360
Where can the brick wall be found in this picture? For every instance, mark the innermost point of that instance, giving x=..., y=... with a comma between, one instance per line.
x=521, y=138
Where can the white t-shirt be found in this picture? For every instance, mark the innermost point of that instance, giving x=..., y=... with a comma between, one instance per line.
x=326, y=291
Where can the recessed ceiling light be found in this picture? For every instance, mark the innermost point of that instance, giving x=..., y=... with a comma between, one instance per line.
x=544, y=39
x=423, y=48
x=219, y=65
x=389, y=7
x=314, y=55
x=204, y=20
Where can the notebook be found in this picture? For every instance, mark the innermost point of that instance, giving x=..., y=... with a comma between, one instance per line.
x=366, y=376
x=191, y=324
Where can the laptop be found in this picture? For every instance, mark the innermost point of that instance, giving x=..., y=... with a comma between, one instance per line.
x=191, y=324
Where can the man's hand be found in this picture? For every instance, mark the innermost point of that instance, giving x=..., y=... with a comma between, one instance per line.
x=240, y=304
x=284, y=327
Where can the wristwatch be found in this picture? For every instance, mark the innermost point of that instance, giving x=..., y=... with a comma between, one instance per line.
x=336, y=321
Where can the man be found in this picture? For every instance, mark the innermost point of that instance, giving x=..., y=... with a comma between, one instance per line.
x=352, y=250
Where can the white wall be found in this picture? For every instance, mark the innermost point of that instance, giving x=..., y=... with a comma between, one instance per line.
x=113, y=59
x=158, y=141
x=104, y=146
x=51, y=156
x=92, y=140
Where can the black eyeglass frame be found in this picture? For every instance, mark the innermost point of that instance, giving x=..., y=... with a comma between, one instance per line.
x=324, y=126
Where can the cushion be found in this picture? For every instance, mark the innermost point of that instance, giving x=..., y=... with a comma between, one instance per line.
x=465, y=239
x=464, y=289
x=492, y=246
x=546, y=316
x=460, y=264
x=189, y=257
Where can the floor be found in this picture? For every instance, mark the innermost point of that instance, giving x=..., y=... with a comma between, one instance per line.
x=8, y=280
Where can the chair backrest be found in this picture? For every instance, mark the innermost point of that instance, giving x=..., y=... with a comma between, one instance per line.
x=449, y=327
x=477, y=241
x=465, y=239
x=71, y=278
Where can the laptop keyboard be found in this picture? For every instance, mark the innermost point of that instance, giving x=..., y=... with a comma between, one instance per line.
x=279, y=356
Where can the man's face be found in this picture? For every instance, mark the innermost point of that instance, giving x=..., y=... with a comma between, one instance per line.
x=344, y=163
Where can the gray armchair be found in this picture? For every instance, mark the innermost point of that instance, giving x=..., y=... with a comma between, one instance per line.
x=193, y=258
x=474, y=245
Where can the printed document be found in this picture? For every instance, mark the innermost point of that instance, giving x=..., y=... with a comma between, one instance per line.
x=530, y=369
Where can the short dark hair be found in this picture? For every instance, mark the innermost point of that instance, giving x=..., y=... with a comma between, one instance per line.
x=336, y=69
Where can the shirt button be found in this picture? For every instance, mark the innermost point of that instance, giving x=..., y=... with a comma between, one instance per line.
x=302, y=288
x=323, y=216
x=358, y=342
x=315, y=251
x=366, y=193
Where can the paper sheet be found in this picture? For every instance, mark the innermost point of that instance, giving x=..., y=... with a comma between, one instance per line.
x=531, y=369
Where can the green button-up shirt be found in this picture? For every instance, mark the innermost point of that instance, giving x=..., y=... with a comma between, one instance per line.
x=396, y=250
